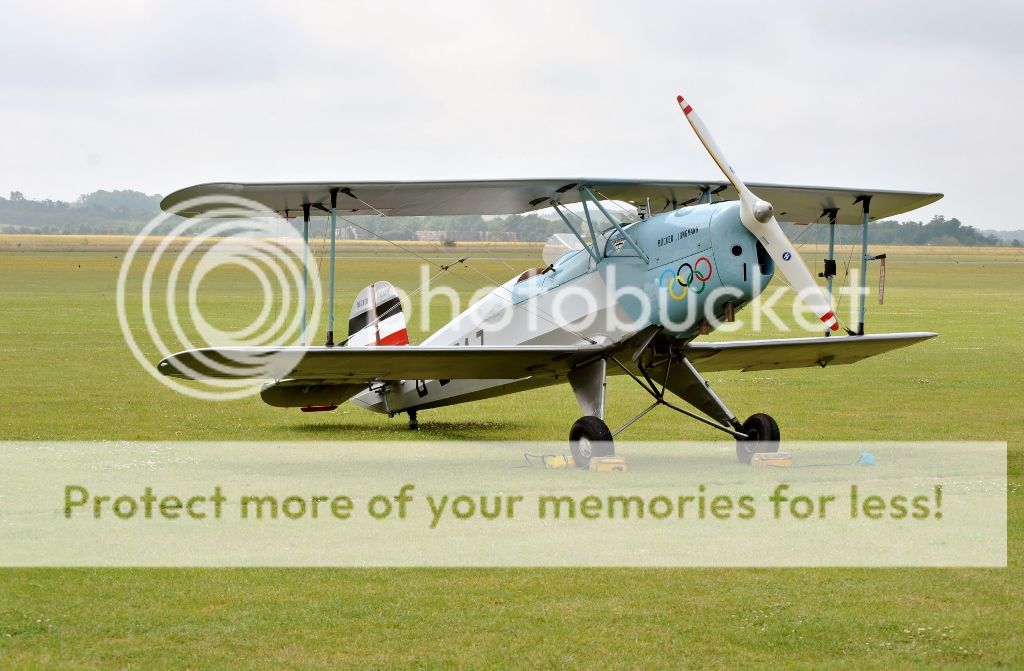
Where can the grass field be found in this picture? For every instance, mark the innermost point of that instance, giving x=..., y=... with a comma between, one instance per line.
x=66, y=374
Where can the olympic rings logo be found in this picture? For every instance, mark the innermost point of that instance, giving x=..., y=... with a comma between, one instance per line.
x=686, y=277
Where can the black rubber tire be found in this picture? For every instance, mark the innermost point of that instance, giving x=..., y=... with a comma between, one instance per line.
x=764, y=436
x=590, y=437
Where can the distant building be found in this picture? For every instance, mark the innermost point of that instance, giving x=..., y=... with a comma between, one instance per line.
x=347, y=233
x=498, y=236
x=432, y=236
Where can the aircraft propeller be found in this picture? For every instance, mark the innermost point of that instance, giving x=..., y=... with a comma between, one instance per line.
x=758, y=216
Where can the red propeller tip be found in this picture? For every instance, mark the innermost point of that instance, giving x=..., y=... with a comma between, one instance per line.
x=679, y=99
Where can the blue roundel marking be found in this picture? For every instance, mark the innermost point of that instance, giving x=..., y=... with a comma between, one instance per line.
x=786, y=256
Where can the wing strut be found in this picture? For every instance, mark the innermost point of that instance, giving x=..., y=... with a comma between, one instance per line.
x=585, y=193
x=305, y=268
x=590, y=222
x=592, y=247
x=330, y=303
x=866, y=201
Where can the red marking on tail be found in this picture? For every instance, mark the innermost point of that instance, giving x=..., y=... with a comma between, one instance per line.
x=400, y=337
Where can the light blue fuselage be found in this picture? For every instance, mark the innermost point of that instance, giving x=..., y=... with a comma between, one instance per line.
x=693, y=253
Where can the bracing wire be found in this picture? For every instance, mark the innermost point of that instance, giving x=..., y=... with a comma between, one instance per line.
x=389, y=241
x=846, y=265
x=413, y=233
x=629, y=215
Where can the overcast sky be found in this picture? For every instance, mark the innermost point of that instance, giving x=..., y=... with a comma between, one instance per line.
x=156, y=96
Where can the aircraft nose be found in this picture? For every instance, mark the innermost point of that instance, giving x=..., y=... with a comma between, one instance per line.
x=742, y=261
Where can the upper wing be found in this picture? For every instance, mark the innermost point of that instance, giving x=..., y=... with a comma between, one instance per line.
x=795, y=352
x=800, y=204
x=367, y=364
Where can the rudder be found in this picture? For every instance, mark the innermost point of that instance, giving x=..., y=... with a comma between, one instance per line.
x=377, y=318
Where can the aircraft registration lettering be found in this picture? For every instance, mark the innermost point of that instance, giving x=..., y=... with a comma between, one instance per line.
x=465, y=342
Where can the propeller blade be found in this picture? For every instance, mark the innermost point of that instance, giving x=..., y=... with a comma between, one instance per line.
x=758, y=216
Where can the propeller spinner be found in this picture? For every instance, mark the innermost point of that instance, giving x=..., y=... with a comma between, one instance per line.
x=758, y=216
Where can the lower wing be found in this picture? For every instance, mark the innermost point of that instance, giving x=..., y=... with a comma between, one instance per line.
x=747, y=355
x=327, y=376
x=369, y=364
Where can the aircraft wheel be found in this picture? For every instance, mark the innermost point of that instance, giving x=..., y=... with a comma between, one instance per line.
x=590, y=437
x=763, y=436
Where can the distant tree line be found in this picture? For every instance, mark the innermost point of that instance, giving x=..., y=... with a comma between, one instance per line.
x=100, y=212
x=938, y=231
x=127, y=212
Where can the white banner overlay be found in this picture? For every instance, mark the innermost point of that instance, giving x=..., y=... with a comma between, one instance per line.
x=484, y=504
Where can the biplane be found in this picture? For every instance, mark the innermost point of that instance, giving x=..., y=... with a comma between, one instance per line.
x=710, y=239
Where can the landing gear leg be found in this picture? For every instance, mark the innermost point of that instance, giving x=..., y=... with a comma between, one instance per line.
x=590, y=437
x=413, y=423
x=760, y=433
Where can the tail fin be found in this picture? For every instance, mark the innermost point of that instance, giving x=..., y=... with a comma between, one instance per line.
x=377, y=318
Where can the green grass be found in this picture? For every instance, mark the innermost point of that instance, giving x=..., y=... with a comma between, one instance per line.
x=66, y=374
